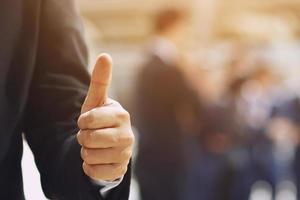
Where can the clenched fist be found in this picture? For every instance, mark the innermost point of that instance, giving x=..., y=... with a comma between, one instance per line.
x=105, y=132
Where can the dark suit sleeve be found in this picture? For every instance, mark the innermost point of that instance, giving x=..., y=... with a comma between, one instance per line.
x=58, y=88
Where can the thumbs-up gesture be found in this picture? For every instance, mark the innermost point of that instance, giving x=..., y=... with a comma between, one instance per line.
x=105, y=132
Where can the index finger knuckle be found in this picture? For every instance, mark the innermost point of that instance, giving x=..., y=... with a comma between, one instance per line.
x=123, y=115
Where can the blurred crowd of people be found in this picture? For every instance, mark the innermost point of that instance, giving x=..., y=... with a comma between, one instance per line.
x=195, y=145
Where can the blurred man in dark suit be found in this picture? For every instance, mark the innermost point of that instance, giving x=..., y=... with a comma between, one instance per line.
x=43, y=92
x=167, y=108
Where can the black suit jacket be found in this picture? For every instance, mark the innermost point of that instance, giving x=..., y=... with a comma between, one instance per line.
x=162, y=95
x=43, y=82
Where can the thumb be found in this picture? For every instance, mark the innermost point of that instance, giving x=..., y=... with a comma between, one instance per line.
x=100, y=81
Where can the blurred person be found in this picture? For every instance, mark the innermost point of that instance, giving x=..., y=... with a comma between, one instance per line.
x=167, y=111
x=284, y=132
x=252, y=96
x=258, y=96
x=272, y=157
x=211, y=174
x=44, y=94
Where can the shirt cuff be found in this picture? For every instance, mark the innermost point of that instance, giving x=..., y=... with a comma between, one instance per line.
x=107, y=185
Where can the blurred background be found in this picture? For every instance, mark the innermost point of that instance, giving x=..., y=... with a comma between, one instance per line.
x=213, y=89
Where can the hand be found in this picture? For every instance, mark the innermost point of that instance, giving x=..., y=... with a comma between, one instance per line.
x=105, y=132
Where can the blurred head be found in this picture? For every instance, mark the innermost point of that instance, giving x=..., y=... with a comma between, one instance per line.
x=264, y=75
x=170, y=23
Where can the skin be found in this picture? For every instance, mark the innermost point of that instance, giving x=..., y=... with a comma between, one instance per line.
x=105, y=132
